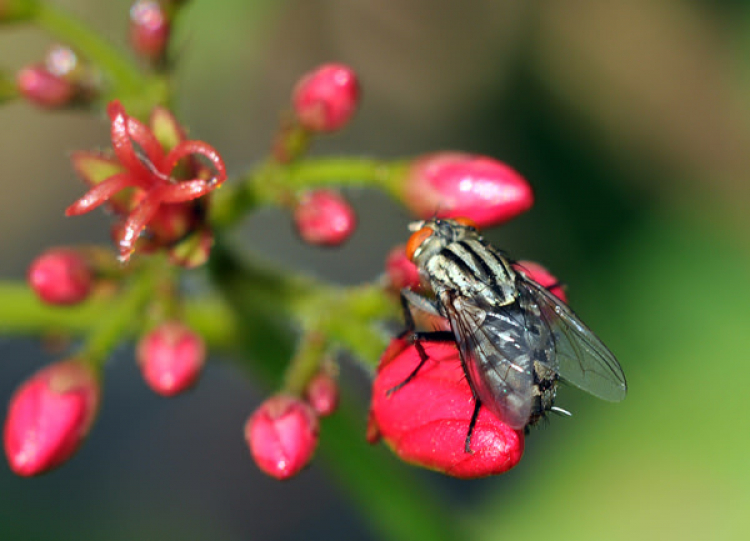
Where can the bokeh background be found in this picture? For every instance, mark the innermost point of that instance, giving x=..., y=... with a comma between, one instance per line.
x=630, y=118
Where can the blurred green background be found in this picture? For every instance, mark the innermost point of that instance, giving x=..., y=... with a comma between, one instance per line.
x=630, y=118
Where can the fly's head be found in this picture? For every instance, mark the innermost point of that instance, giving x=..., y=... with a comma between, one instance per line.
x=431, y=236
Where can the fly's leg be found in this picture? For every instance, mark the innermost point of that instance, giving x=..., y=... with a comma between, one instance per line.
x=417, y=338
x=472, y=424
x=434, y=336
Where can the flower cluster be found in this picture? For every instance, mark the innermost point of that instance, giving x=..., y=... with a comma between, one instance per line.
x=159, y=186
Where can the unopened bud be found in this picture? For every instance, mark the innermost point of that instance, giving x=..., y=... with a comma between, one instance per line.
x=326, y=98
x=401, y=272
x=60, y=276
x=452, y=185
x=149, y=29
x=324, y=218
x=49, y=416
x=41, y=87
x=171, y=357
x=322, y=393
x=282, y=435
x=426, y=421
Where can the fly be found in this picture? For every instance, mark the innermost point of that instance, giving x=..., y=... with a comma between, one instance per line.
x=516, y=340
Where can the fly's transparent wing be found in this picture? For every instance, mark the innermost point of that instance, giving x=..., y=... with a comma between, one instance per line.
x=581, y=358
x=497, y=356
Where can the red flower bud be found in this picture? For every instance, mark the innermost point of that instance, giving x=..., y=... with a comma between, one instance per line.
x=452, y=185
x=171, y=357
x=322, y=394
x=325, y=99
x=149, y=28
x=324, y=218
x=60, y=276
x=41, y=87
x=543, y=277
x=282, y=435
x=402, y=273
x=426, y=421
x=49, y=416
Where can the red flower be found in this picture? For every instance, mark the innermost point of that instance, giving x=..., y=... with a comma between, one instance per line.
x=425, y=422
x=49, y=416
x=142, y=181
x=453, y=184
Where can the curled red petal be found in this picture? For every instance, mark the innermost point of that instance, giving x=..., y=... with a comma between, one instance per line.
x=184, y=191
x=100, y=193
x=188, y=148
x=135, y=223
x=124, y=131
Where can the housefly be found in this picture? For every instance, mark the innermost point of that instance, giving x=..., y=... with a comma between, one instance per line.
x=515, y=338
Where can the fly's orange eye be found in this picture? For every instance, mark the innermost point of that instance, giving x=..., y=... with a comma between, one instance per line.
x=416, y=240
x=468, y=222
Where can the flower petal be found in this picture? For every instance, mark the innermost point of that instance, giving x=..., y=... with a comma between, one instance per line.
x=188, y=148
x=184, y=191
x=100, y=193
x=135, y=223
x=124, y=131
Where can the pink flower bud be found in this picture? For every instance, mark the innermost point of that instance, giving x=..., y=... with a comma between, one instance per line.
x=43, y=88
x=322, y=394
x=149, y=29
x=324, y=218
x=543, y=277
x=426, y=421
x=282, y=435
x=60, y=276
x=452, y=185
x=325, y=99
x=49, y=416
x=402, y=273
x=171, y=357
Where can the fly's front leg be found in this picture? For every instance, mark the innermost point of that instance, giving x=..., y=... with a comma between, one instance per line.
x=416, y=338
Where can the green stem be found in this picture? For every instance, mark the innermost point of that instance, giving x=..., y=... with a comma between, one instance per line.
x=271, y=183
x=123, y=74
x=116, y=322
x=305, y=363
x=22, y=314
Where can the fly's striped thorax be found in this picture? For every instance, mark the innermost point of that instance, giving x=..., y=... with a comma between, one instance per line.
x=470, y=268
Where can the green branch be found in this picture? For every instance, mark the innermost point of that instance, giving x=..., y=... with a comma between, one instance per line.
x=273, y=184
